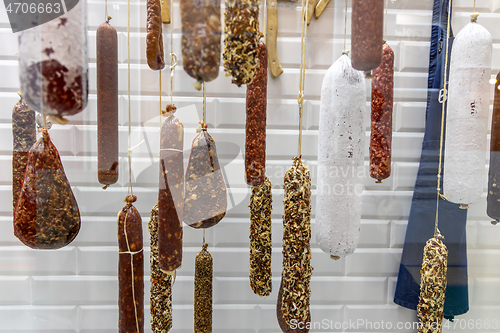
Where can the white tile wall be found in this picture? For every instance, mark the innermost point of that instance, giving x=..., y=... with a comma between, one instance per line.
x=74, y=289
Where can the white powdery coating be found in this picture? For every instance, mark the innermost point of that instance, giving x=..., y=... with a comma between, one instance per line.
x=340, y=158
x=467, y=115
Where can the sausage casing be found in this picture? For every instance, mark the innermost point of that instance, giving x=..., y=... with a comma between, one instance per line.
x=493, y=199
x=381, y=119
x=161, y=283
x=130, y=269
x=46, y=214
x=23, y=137
x=107, y=104
x=170, y=194
x=203, y=275
x=255, y=142
x=154, y=36
x=201, y=34
x=205, y=197
x=367, y=34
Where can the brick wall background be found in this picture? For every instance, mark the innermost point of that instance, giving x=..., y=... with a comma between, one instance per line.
x=75, y=289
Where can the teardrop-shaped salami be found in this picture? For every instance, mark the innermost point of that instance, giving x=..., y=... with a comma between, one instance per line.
x=46, y=215
x=205, y=198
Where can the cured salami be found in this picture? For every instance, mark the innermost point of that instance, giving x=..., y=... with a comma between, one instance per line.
x=381, y=119
x=46, y=215
x=203, y=273
x=170, y=194
x=205, y=197
x=255, y=142
x=130, y=269
x=340, y=159
x=154, y=36
x=493, y=206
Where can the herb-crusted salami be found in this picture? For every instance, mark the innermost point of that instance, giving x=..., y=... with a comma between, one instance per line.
x=261, y=245
x=203, y=291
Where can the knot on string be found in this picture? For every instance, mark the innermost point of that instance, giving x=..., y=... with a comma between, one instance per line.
x=335, y=257
x=201, y=126
x=197, y=85
x=495, y=222
x=173, y=63
x=129, y=151
x=473, y=17
x=464, y=206
x=346, y=52
x=169, y=111
x=205, y=245
x=300, y=97
x=20, y=94
x=108, y=18
x=129, y=199
x=131, y=252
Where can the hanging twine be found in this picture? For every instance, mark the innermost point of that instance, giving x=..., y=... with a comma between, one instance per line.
x=265, y=19
x=345, y=28
x=385, y=23
x=173, y=56
x=204, y=103
x=106, y=17
x=300, y=97
x=441, y=138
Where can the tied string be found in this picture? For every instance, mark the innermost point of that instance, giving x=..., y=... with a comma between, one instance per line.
x=173, y=56
x=441, y=138
x=265, y=19
x=204, y=243
x=300, y=97
x=132, y=253
x=129, y=151
x=204, y=103
x=385, y=23
x=106, y=17
x=345, y=27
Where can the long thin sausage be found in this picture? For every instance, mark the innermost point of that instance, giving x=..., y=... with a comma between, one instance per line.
x=154, y=36
x=203, y=275
x=493, y=199
x=107, y=104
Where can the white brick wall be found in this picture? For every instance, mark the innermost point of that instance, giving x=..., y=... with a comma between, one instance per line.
x=74, y=289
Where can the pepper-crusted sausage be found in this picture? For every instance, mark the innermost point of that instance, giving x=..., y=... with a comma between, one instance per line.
x=130, y=269
x=107, y=104
x=261, y=244
x=154, y=37
x=161, y=283
x=381, y=120
x=205, y=198
x=170, y=194
x=203, y=273
x=255, y=142
x=241, y=40
x=23, y=137
x=294, y=295
x=367, y=34
x=201, y=33
x=493, y=206
x=46, y=215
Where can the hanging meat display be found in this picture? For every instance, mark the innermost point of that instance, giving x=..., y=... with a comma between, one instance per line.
x=154, y=36
x=205, y=197
x=107, y=104
x=261, y=244
x=46, y=214
x=23, y=137
x=367, y=30
x=294, y=293
x=340, y=158
x=161, y=283
x=493, y=199
x=201, y=34
x=381, y=119
x=171, y=193
x=53, y=64
x=130, y=269
x=467, y=114
x=203, y=274
x=241, y=40
x=255, y=128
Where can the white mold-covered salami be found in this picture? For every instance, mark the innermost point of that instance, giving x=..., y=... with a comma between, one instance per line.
x=340, y=158
x=467, y=115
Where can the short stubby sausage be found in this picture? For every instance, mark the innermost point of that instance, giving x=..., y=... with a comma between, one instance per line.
x=205, y=197
x=154, y=36
x=381, y=119
x=23, y=137
x=130, y=269
x=255, y=141
x=201, y=34
x=367, y=34
x=46, y=215
x=107, y=104
x=171, y=194
x=493, y=199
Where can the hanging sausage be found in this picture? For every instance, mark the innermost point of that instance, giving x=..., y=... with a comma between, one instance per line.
x=53, y=64
x=203, y=274
x=381, y=119
x=241, y=40
x=340, y=158
x=201, y=34
x=261, y=244
x=493, y=207
x=294, y=293
x=161, y=283
x=367, y=34
x=130, y=269
x=467, y=114
x=205, y=197
x=170, y=194
x=46, y=215
x=107, y=103
x=255, y=128
x=154, y=36
x=23, y=137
